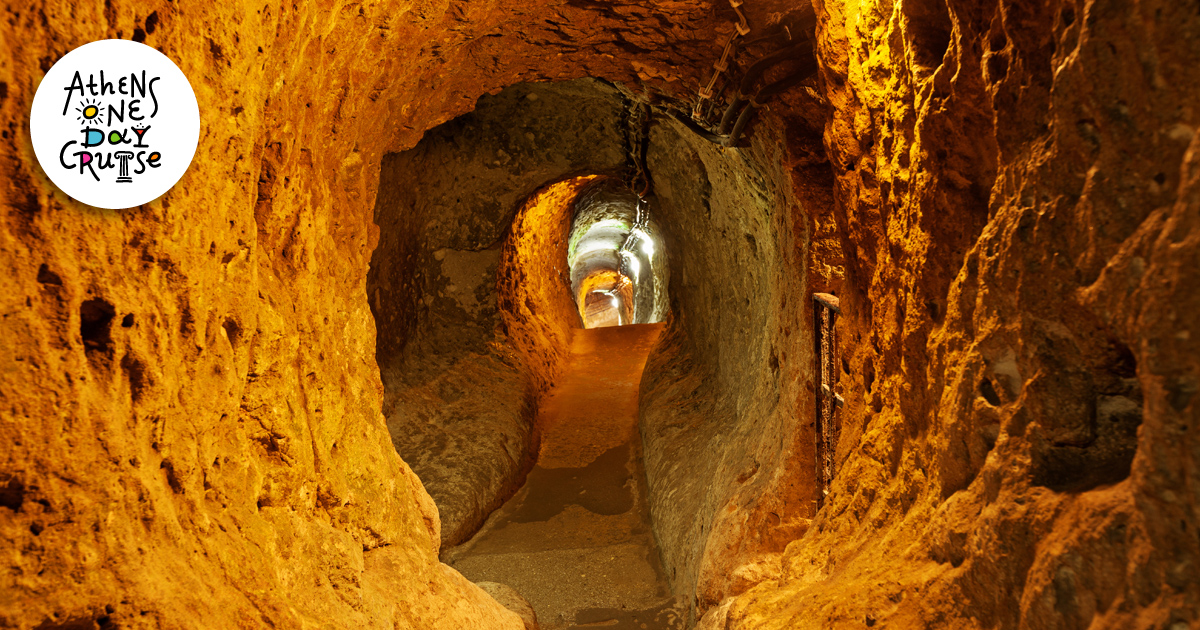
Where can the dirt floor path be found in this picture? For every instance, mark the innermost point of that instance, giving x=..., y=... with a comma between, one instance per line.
x=575, y=540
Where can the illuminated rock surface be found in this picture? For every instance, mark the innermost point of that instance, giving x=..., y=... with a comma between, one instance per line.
x=576, y=539
x=1005, y=195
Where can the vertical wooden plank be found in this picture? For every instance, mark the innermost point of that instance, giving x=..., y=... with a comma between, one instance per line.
x=826, y=308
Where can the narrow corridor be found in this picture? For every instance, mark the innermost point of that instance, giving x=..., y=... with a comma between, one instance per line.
x=575, y=541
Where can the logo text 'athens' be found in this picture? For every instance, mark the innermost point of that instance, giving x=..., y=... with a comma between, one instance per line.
x=125, y=126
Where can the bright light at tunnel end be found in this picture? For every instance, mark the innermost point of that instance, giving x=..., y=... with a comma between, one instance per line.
x=610, y=245
x=647, y=242
x=635, y=266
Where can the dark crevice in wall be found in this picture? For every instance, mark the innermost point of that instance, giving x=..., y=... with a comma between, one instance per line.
x=95, y=329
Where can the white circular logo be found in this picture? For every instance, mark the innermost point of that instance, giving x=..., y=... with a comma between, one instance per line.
x=114, y=124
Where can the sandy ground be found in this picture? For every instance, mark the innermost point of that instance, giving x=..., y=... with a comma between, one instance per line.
x=576, y=540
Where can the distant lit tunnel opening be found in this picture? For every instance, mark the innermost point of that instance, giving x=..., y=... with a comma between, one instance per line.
x=617, y=263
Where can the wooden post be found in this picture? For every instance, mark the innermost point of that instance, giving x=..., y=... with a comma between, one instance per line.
x=826, y=308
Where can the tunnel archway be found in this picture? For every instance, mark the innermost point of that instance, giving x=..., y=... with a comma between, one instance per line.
x=1008, y=219
x=619, y=268
x=467, y=341
x=540, y=167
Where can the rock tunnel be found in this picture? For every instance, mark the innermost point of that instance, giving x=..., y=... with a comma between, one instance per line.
x=693, y=315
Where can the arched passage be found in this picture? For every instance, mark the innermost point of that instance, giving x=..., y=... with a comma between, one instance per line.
x=470, y=331
x=192, y=409
x=525, y=211
x=619, y=269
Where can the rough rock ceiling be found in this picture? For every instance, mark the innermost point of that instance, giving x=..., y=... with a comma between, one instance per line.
x=1000, y=192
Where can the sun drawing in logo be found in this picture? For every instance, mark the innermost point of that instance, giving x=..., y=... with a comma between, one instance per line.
x=89, y=110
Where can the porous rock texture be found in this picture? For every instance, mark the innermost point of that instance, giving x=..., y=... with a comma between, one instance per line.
x=1005, y=195
x=191, y=405
x=729, y=445
x=1017, y=204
